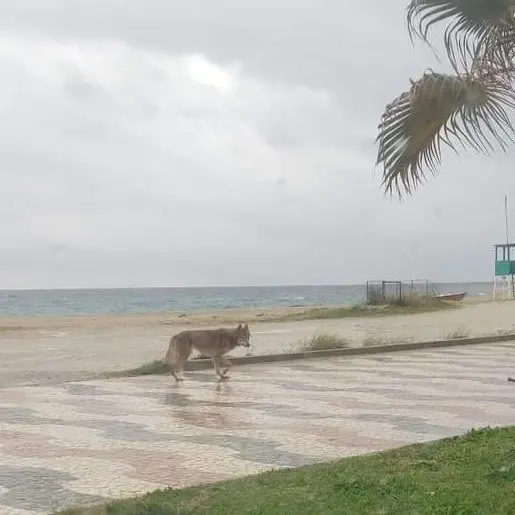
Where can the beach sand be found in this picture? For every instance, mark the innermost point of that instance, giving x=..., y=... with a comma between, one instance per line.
x=47, y=349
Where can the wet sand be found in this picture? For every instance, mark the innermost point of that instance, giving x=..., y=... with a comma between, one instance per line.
x=48, y=349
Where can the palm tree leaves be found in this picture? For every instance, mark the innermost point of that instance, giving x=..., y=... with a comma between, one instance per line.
x=470, y=16
x=469, y=107
x=476, y=28
x=438, y=109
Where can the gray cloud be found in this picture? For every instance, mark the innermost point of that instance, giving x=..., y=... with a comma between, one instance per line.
x=150, y=143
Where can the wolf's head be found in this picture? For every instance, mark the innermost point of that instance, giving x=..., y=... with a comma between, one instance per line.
x=242, y=334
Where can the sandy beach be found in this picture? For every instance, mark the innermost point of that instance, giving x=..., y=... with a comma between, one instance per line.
x=48, y=349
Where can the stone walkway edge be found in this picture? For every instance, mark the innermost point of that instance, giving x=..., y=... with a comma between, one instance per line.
x=202, y=364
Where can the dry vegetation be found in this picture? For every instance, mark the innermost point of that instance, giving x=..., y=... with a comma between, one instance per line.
x=323, y=341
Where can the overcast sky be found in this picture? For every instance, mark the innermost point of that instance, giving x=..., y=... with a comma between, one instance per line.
x=158, y=143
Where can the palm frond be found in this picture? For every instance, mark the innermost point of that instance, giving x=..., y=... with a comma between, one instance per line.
x=477, y=28
x=446, y=109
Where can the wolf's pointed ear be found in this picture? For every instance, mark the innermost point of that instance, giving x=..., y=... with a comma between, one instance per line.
x=246, y=327
x=239, y=327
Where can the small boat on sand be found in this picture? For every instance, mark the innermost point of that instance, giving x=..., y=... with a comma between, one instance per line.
x=451, y=296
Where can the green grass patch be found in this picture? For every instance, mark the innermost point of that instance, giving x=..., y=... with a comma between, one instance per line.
x=468, y=475
x=410, y=306
x=359, y=310
x=323, y=341
x=410, y=299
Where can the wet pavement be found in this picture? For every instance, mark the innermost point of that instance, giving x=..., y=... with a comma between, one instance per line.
x=86, y=442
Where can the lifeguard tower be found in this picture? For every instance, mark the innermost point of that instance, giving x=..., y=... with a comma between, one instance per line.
x=504, y=285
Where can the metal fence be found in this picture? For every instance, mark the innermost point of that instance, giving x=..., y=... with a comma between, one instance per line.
x=398, y=292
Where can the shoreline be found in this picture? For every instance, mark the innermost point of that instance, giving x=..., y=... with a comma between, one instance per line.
x=218, y=316
x=203, y=318
x=202, y=314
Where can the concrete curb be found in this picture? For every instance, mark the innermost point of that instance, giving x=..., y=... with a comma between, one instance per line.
x=202, y=364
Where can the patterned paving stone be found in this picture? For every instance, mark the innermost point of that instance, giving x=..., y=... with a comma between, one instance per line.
x=84, y=442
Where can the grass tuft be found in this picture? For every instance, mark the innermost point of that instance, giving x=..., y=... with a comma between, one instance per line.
x=378, y=340
x=504, y=332
x=323, y=341
x=457, y=334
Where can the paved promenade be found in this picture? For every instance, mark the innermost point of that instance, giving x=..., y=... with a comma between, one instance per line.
x=85, y=442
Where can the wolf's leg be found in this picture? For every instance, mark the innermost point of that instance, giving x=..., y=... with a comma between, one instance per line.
x=178, y=353
x=225, y=363
x=171, y=357
x=184, y=355
x=216, y=365
x=216, y=362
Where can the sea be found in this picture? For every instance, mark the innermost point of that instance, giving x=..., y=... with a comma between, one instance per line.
x=187, y=300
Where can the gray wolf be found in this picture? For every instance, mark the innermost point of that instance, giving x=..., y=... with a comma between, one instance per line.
x=210, y=342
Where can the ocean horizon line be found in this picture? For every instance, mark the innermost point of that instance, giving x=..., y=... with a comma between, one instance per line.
x=214, y=287
x=96, y=301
